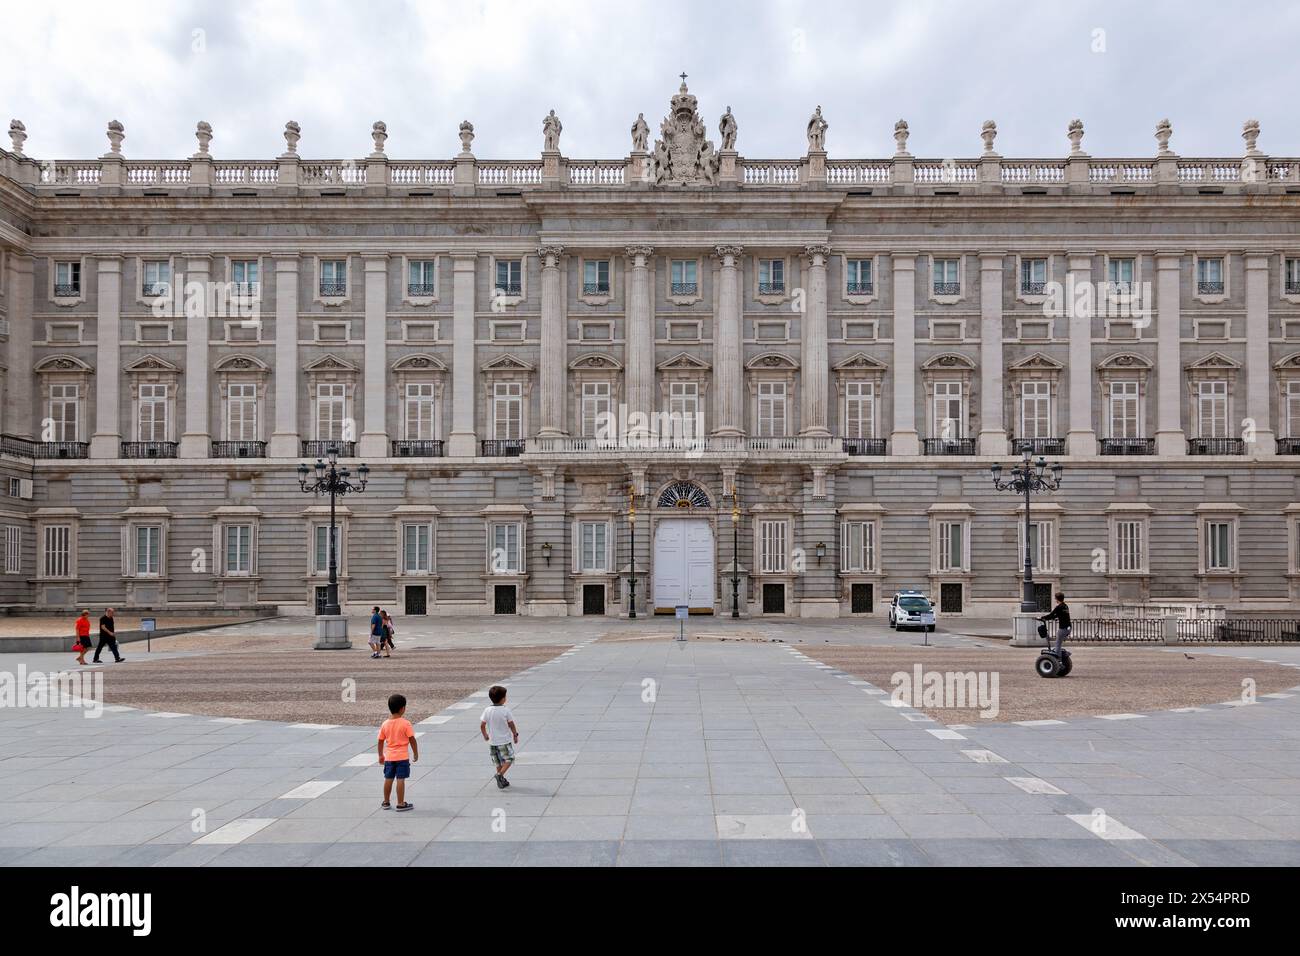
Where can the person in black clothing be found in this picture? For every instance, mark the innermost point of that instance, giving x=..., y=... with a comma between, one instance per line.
x=1061, y=615
x=107, y=636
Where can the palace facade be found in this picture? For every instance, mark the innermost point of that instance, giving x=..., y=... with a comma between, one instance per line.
x=796, y=374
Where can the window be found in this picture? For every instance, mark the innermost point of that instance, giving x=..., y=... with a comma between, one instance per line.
x=1033, y=276
x=1218, y=546
x=420, y=278
x=595, y=277
x=1123, y=410
x=505, y=552
x=418, y=404
x=1212, y=406
x=155, y=277
x=684, y=409
x=148, y=547
x=333, y=277
x=1291, y=276
x=507, y=410
x=1128, y=546
x=952, y=546
x=1035, y=410
x=1292, y=410
x=683, y=277
x=331, y=411
x=947, y=277
x=64, y=412
x=771, y=409
x=321, y=551
x=858, y=546
x=1119, y=273
x=595, y=410
x=56, y=560
x=1209, y=276
x=510, y=277
x=859, y=410
x=153, y=413
x=241, y=412
x=1042, y=552
x=13, y=549
x=772, y=546
x=244, y=274
x=238, y=548
x=67, y=279
x=949, y=420
x=593, y=546
x=416, y=553
x=771, y=276
x=857, y=277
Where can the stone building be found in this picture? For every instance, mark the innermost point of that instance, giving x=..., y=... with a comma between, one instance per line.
x=798, y=371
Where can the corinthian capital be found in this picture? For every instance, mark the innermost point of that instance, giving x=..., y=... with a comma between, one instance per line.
x=817, y=250
x=723, y=252
x=640, y=252
x=550, y=255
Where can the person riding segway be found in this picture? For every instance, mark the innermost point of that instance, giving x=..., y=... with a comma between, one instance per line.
x=1055, y=661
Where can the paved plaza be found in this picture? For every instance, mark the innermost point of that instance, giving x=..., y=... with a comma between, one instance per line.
x=644, y=751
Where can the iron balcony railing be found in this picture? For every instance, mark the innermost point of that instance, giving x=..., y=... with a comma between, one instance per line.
x=509, y=288
x=418, y=448
x=947, y=288
x=149, y=289
x=246, y=290
x=1292, y=287
x=1216, y=446
x=1209, y=288
x=1288, y=446
x=1128, y=446
x=148, y=449
x=26, y=448
x=503, y=448
x=419, y=288
x=948, y=446
x=771, y=288
x=239, y=449
x=595, y=288
x=686, y=288
x=322, y=447
x=858, y=288
x=1038, y=446
x=330, y=289
x=864, y=446
x=1033, y=288
x=67, y=290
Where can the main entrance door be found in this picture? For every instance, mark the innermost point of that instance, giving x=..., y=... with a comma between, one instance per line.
x=683, y=565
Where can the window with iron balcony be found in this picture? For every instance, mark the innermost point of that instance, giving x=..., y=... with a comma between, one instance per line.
x=771, y=277
x=333, y=278
x=857, y=277
x=595, y=277
x=420, y=278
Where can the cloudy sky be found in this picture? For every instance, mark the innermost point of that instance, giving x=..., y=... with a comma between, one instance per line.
x=247, y=66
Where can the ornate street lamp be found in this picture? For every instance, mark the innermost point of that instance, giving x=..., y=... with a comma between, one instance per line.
x=1026, y=478
x=735, y=548
x=631, y=523
x=325, y=477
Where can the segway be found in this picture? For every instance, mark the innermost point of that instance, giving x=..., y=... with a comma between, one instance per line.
x=1050, y=663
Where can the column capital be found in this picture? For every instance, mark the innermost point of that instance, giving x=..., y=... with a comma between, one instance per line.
x=817, y=250
x=640, y=251
x=725, y=252
x=550, y=254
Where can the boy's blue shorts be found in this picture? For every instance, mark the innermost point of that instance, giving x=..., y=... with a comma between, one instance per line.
x=397, y=769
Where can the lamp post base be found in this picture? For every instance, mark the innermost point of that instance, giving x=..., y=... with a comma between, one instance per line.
x=1024, y=631
x=332, y=633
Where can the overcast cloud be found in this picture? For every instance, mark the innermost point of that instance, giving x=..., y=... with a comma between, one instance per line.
x=335, y=67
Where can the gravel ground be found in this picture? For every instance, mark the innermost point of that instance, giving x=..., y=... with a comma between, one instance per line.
x=307, y=686
x=1104, y=680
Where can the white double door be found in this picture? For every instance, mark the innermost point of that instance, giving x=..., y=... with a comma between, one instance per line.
x=683, y=563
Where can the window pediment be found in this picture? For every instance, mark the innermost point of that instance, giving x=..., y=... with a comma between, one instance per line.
x=1125, y=362
x=860, y=362
x=507, y=363
x=595, y=362
x=330, y=363
x=1038, y=362
x=1214, y=362
x=62, y=363
x=772, y=361
x=419, y=362
x=683, y=362
x=242, y=363
x=152, y=363
x=948, y=361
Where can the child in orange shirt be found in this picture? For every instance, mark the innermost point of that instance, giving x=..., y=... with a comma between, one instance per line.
x=83, y=637
x=394, y=737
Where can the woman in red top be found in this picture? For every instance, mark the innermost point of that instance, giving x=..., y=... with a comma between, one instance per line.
x=83, y=637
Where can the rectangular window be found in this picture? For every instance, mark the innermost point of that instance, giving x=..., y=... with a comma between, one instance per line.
x=153, y=413
x=683, y=277
x=595, y=277
x=1209, y=276
x=1033, y=276
x=507, y=410
x=321, y=549
x=1292, y=410
x=241, y=412
x=1291, y=277
x=1035, y=410
x=244, y=274
x=772, y=538
x=331, y=411
x=415, y=549
x=1042, y=552
x=859, y=410
x=596, y=410
x=857, y=277
x=1128, y=546
x=148, y=545
x=13, y=549
x=67, y=279
x=947, y=277
x=1119, y=273
x=57, y=551
x=155, y=277
x=420, y=277
x=510, y=276
x=771, y=276
x=333, y=277
x=949, y=419
x=771, y=410
x=504, y=558
x=1218, y=546
x=1123, y=410
x=65, y=408
x=593, y=546
x=858, y=546
x=239, y=548
x=952, y=551
x=684, y=410
x=418, y=415
x=1212, y=405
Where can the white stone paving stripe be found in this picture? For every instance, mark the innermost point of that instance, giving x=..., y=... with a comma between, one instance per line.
x=1278, y=696
x=984, y=756
x=438, y=719
x=1106, y=827
x=310, y=790
x=362, y=760
x=313, y=726
x=1188, y=710
x=1034, y=785
x=165, y=713
x=1120, y=716
x=463, y=705
x=1038, y=723
x=232, y=720
x=946, y=734
x=236, y=831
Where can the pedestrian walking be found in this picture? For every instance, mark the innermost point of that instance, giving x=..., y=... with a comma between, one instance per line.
x=376, y=632
x=387, y=644
x=108, y=637
x=83, y=637
x=395, y=736
x=498, y=728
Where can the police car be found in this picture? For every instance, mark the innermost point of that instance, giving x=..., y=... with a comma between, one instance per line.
x=911, y=608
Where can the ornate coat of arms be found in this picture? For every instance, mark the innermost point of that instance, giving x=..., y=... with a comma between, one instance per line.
x=683, y=154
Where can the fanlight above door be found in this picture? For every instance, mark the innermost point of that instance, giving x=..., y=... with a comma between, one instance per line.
x=683, y=494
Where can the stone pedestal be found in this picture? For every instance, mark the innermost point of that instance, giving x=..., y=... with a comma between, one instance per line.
x=1024, y=631
x=332, y=633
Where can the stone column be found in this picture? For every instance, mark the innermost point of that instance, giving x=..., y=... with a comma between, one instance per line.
x=993, y=432
x=285, y=440
x=728, y=370
x=196, y=440
x=555, y=337
x=1170, y=438
x=107, y=439
x=904, y=439
x=1257, y=356
x=640, y=348
x=374, y=432
x=814, y=354
x=463, y=443
x=19, y=405
x=1081, y=439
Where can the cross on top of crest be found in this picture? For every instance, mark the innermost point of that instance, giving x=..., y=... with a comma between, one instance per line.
x=683, y=76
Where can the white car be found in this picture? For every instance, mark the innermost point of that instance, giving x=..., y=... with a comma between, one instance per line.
x=911, y=609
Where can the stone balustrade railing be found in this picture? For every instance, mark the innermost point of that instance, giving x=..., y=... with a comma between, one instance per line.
x=801, y=445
